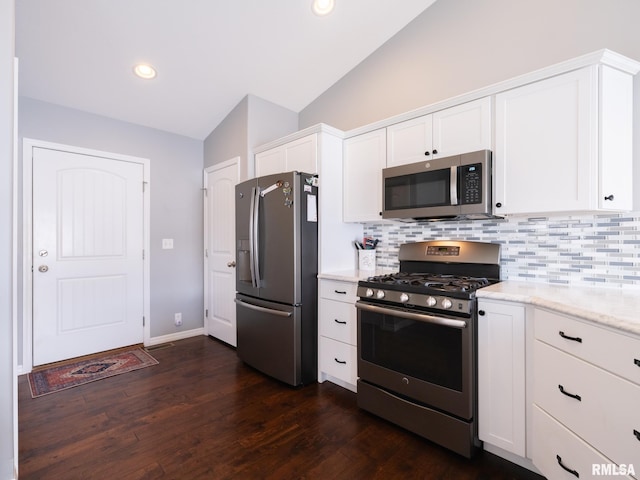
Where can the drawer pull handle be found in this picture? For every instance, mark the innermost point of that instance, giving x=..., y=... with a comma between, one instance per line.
x=572, y=395
x=575, y=339
x=636, y=433
x=342, y=362
x=572, y=472
x=636, y=361
x=341, y=322
x=340, y=292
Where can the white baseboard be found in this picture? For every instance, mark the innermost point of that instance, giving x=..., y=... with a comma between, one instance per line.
x=172, y=337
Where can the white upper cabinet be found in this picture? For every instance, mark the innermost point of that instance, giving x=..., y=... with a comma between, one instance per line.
x=563, y=144
x=364, y=159
x=300, y=155
x=460, y=129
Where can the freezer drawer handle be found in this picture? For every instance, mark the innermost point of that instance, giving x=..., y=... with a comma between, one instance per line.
x=572, y=472
x=280, y=313
x=342, y=362
x=575, y=339
x=572, y=395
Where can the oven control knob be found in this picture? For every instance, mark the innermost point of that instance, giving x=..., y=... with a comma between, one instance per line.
x=431, y=302
x=446, y=303
x=380, y=294
x=368, y=293
x=404, y=298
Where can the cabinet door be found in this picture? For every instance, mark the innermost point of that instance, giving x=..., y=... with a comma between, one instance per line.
x=410, y=141
x=546, y=152
x=270, y=162
x=301, y=155
x=462, y=129
x=501, y=376
x=364, y=159
x=616, y=140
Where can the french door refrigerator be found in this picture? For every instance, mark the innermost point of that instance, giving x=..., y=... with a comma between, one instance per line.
x=277, y=267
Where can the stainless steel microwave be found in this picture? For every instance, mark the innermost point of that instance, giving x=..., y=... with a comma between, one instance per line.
x=445, y=188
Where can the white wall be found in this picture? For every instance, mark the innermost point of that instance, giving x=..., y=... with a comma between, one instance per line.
x=457, y=46
x=8, y=454
x=253, y=122
x=176, y=200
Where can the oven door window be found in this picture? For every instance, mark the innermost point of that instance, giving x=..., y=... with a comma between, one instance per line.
x=417, y=190
x=422, y=350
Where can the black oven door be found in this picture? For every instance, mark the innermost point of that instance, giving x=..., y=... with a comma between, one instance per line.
x=423, y=357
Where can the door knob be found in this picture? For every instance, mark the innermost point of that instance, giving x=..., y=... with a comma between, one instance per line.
x=231, y=264
x=43, y=268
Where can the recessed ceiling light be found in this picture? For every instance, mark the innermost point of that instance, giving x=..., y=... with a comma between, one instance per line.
x=322, y=7
x=145, y=71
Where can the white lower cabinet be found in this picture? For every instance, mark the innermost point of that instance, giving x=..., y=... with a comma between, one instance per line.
x=560, y=454
x=501, y=376
x=337, y=326
x=587, y=380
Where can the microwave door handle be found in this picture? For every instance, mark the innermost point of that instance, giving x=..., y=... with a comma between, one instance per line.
x=453, y=185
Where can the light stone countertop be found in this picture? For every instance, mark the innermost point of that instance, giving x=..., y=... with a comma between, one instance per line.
x=354, y=275
x=615, y=308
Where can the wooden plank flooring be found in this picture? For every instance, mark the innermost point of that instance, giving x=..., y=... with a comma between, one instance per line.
x=203, y=414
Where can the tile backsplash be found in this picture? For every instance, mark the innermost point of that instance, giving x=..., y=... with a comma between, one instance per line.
x=590, y=250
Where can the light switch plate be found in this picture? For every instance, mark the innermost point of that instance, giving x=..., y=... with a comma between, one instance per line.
x=167, y=243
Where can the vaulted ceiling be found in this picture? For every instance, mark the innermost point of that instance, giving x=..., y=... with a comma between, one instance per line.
x=209, y=54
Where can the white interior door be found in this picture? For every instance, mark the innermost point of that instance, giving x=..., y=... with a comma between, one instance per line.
x=220, y=238
x=88, y=241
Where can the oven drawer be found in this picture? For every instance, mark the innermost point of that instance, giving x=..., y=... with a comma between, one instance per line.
x=615, y=352
x=338, y=320
x=554, y=447
x=596, y=405
x=339, y=360
x=341, y=291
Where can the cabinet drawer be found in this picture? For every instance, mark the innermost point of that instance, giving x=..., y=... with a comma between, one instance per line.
x=552, y=441
x=338, y=360
x=615, y=352
x=336, y=290
x=338, y=321
x=599, y=407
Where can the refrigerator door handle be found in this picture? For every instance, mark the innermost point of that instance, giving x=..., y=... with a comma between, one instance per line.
x=270, y=311
x=253, y=237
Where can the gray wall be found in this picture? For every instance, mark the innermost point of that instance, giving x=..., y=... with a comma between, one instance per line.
x=457, y=46
x=251, y=123
x=7, y=392
x=176, y=199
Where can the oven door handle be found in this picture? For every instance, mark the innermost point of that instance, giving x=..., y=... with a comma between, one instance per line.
x=421, y=317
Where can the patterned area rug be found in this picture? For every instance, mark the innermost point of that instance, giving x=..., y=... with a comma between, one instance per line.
x=63, y=376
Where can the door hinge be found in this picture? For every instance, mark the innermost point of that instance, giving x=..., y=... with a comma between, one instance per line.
x=143, y=254
x=206, y=193
x=143, y=321
x=206, y=253
x=144, y=186
x=206, y=313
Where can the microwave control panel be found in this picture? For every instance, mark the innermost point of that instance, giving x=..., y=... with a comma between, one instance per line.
x=470, y=184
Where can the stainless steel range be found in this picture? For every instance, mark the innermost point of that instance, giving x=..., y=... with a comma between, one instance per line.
x=417, y=340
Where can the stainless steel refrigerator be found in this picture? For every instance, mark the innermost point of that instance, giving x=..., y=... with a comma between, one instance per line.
x=276, y=272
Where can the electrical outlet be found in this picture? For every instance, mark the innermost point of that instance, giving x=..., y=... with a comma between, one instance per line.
x=177, y=319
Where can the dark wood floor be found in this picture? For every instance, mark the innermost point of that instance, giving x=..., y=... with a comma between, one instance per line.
x=202, y=414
